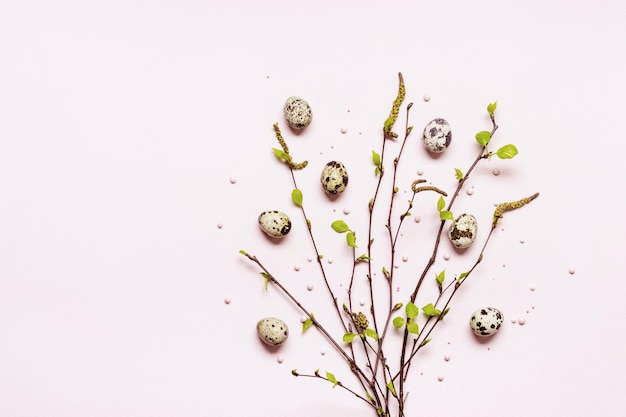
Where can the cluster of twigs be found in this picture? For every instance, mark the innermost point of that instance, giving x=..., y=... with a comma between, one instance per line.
x=378, y=383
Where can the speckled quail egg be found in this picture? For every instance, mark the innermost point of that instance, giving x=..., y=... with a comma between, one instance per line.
x=486, y=321
x=463, y=231
x=437, y=135
x=334, y=177
x=272, y=331
x=298, y=112
x=275, y=223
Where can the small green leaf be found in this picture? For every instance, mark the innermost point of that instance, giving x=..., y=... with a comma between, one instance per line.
x=348, y=337
x=376, y=158
x=445, y=311
x=459, y=174
x=282, y=155
x=425, y=342
x=491, y=108
x=351, y=239
x=483, y=137
x=371, y=333
x=446, y=215
x=429, y=310
x=440, y=278
x=392, y=389
x=441, y=203
x=411, y=310
x=462, y=276
x=340, y=226
x=267, y=277
x=369, y=397
x=380, y=411
x=377, y=170
x=386, y=273
x=412, y=327
x=308, y=323
x=398, y=322
x=397, y=306
x=363, y=258
x=296, y=196
x=332, y=379
x=507, y=152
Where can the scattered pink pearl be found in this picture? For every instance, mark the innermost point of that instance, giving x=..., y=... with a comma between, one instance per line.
x=344, y=130
x=420, y=172
x=279, y=359
x=330, y=260
x=405, y=258
x=521, y=321
x=220, y=225
x=346, y=211
x=446, y=256
x=532, y=288
x=309, y=287
x=233, y=180
x=522, y=240
x=572, y=271
x=322, y=352
x=226, y=300
x=362, y=302
x=513, y=321
x=470, y=191
x=417, y=219
x=396, y=266
x=495, y=172
x=440, y=378
x=303, y=319
x=296, y=267
x=309, y=259
x=446, y=358
x=426, y=98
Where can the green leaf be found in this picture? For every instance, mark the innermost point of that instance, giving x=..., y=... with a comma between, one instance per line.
x=282, y=155
x=446, y=215
x=332, y=379
x=371, y=333
x=445, y=311
x=348, y=337
x=507, y=152
x=376, y=158
x=429, y=310
x=440, y=278
x=267, y=277
x=392, y=389
x=296, y=196
x=351, y=239
x=398, y=322
x=369, y=396
x=459, y=174
x=425, y=342
x=243, y=252
x=363, y=258
x=411, y=310
x=483, y=137
x=386, y=273
x=380, y=411
x=340, y=226
x=412, y=327
x=462, y=276
x=308, y=323
x=491, y=108
x=441, y=203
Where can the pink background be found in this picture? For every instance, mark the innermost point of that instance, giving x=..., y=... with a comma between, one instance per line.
x=121, y=124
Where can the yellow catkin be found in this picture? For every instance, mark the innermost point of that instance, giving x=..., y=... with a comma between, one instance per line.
x=395, y=108
x=504, y=207
x=360, y=321
x=417, y=189
x=280, y=138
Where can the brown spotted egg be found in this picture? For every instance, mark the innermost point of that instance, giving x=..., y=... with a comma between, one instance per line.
x=334, y=177
x=463, y=231
x=275, y=223
x=486, y=321
x=272, y=331
x=437, y=135
x=297, y=112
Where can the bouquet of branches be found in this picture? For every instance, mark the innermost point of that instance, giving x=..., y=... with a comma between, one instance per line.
x=363, y=342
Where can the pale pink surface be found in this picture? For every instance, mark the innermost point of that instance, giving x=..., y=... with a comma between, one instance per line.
x=122, y=125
